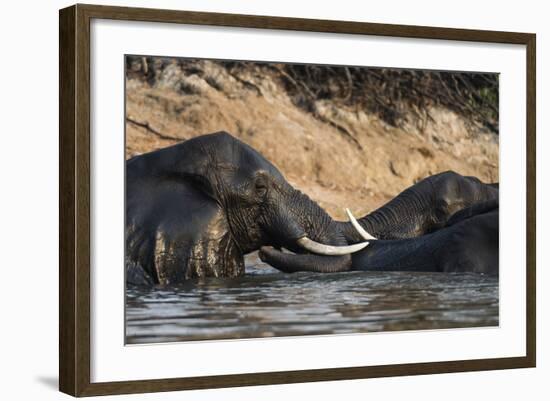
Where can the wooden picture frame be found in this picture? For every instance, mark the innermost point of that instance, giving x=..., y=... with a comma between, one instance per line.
x=74, y=204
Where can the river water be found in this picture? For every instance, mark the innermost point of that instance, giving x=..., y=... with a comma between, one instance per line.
x=266, y=303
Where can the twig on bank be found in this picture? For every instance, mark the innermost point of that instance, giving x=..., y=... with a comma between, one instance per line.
x=152, y=130
x=144, y=65
x=290, y=79
x=244, y=82
x=340, y=128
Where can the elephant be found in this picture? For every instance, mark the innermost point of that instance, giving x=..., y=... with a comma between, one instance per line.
x=469, y=242
x=420, y=209
x=194, y=209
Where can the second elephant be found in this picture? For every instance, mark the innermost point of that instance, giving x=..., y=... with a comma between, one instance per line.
x=445, y=223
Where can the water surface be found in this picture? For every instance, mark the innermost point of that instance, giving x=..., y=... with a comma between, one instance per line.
x=267, y=303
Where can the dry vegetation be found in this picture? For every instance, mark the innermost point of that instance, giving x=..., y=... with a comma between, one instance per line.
x=353, y=141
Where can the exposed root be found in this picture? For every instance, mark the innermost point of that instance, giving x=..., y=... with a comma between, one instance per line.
x=152, y=130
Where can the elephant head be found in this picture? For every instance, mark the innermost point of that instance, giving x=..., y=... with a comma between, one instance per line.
x=420, y=209
x=212, y=199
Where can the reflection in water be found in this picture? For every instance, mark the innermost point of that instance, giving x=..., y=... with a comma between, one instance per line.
x=267, y=303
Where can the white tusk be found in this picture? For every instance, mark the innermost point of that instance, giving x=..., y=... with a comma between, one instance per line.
x=362, y=232
x=331, y=250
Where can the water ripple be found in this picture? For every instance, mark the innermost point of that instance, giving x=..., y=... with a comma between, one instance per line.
x=267, y=303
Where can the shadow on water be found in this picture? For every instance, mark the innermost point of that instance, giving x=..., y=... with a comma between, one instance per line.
x=267, y=303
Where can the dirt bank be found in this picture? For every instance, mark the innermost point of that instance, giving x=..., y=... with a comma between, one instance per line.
x=340, y=156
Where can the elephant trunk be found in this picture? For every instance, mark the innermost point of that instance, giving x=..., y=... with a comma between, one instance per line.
x=290, y=263
x=405, y=216
x=303, y=227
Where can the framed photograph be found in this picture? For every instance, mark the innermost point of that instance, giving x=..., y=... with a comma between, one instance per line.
x=249, y=200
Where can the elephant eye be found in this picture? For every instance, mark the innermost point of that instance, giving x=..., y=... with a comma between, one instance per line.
x=442, y=210
x=260, y=186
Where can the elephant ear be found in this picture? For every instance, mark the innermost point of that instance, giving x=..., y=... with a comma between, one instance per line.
x=193, y=161
x=201, y=182
x=202, y=159
x=174, y=232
